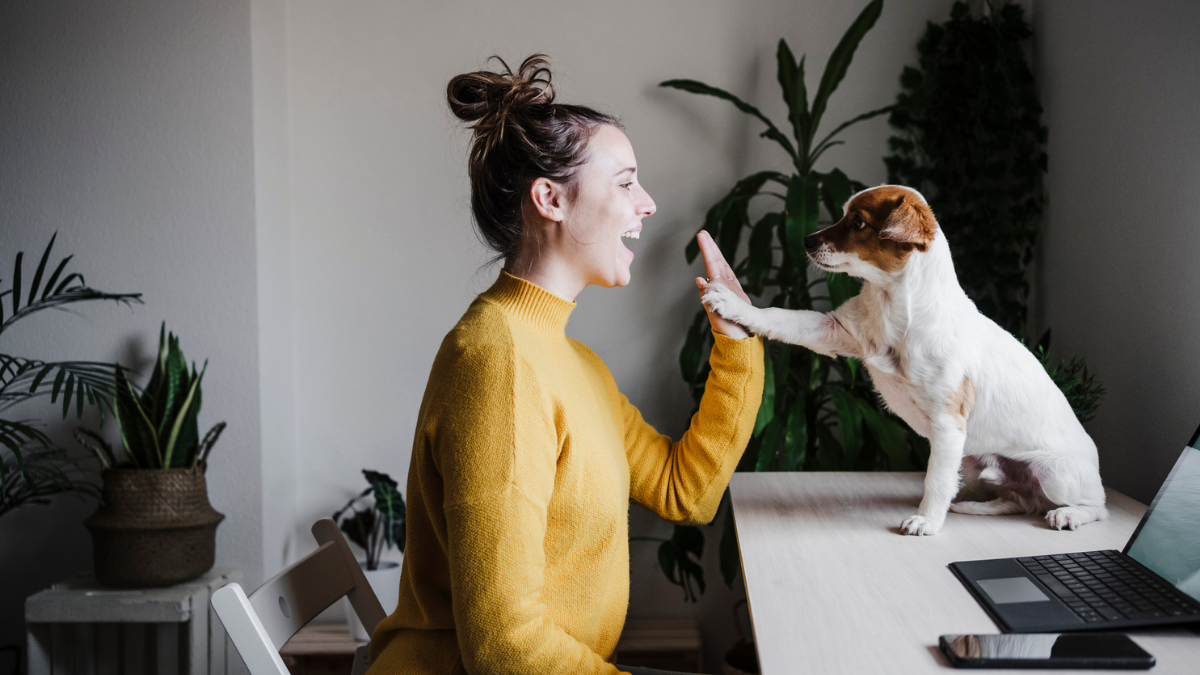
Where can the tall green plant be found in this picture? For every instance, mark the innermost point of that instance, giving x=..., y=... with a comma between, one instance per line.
x=969, y=136
x=817, y=412
x=32, y=468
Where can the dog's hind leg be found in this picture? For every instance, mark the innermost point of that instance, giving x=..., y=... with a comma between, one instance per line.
x=995, y=507
x=1075, y=488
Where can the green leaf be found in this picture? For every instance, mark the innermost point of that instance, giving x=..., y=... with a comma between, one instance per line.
x=795, y=95
x=730, y=557
x=760, y=255
x=184, y=426
x=693, y=348
x=772, y=132
x=766, y=409
x=771, y=438
x=735, y=219
x=16, y=283
x=137, y=433
x=836, y=191
x=842, y=287
x=839, y=60
x=742, y=192
x=892, y=436
x=37, y=275
x=849, y=415
x=54, y=277
x=801, y=218
x=795, y=441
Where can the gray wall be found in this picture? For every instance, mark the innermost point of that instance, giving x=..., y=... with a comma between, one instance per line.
x=385, y=259
x=1119, y=281
x=126, y=128
x=283, y=181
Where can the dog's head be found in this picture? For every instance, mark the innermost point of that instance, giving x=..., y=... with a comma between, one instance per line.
x=879, y=232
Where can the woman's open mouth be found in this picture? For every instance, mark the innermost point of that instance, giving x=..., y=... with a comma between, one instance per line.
x=632, y=233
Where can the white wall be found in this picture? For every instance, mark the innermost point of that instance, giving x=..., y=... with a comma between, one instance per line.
x=126, y=128
x=385, y=259
x=1119, y=280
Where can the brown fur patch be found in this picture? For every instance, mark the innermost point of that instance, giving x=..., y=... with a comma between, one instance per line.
x=961, y=403
x=896, y=223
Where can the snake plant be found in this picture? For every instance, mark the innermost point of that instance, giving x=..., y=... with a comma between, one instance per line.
x=159, y=429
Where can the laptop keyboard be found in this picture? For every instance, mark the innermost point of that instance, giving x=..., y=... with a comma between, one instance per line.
x=1102, y=586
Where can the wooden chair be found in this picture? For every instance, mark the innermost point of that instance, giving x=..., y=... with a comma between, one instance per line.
x=261, y=623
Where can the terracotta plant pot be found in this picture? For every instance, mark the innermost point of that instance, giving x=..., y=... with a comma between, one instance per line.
x=154, y=527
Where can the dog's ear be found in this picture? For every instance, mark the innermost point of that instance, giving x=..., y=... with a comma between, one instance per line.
x=911, y=222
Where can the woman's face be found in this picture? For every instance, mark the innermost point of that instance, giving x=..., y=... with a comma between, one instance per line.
x=607, y=208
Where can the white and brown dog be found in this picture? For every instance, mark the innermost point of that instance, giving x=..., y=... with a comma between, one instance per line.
x=955, y=376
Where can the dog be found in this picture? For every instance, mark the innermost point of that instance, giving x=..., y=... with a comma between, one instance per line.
x=952, y=374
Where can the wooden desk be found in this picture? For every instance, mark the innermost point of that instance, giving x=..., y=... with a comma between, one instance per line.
x=834, y=588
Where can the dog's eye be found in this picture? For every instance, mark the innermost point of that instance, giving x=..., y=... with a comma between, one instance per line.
x=860, y=224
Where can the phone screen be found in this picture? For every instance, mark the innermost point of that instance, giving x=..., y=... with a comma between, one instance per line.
x=1045, y=648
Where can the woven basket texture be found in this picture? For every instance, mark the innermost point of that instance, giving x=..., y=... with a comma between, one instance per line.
x=155, y=527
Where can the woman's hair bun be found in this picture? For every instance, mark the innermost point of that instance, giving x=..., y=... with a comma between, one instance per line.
x=483, y=94
x=521, y=135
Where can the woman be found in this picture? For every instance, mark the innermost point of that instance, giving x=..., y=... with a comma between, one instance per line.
x=526, y=455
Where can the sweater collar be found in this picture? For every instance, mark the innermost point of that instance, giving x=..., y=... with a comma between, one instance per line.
x=529, y=301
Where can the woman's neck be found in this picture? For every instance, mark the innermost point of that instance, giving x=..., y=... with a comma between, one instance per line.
x=549, y=272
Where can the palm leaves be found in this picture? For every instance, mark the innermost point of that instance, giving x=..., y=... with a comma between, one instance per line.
x=31, y=469
x=817, y=413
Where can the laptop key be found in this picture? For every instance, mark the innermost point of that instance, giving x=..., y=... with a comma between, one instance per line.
x=1051, y=583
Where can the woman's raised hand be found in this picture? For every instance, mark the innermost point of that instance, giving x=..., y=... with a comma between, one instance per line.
x=719, y=271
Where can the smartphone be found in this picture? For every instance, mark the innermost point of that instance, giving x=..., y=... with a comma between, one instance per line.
x=1046, y=650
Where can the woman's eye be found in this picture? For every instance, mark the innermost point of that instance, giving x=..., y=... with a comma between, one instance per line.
x=626, y=185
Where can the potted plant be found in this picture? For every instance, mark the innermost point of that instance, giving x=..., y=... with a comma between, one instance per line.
x=32, y=467
x=155, y=525
x=379, y=524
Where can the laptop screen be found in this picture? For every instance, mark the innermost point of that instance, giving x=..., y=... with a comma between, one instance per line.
x=1168, y=539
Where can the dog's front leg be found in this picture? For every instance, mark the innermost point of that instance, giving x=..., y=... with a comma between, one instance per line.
x=941, y=478
x=819, y=332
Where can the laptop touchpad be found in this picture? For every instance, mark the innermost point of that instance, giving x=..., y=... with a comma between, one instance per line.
x=1012, y=589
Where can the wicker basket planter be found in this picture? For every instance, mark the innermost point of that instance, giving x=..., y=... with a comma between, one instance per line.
x=155, y=527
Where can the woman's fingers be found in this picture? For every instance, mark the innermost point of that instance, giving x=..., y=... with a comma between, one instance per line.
x=716, y=267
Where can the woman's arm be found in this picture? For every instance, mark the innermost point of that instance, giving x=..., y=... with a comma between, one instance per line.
x=496, y=451
x=684, y=481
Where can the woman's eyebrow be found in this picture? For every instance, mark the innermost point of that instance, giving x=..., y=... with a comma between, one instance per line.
x=628, y=169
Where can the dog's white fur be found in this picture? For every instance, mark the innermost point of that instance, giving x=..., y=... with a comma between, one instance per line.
x=921, y=338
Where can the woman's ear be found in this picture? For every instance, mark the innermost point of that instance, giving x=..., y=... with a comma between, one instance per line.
x=548, y=198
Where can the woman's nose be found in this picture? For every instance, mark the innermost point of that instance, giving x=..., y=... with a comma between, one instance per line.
x=647, y=207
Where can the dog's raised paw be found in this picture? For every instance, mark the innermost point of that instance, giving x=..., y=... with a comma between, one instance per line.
x=723, y=301
x=919, y=526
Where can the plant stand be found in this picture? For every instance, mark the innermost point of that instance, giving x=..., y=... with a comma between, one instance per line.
x=79, y=626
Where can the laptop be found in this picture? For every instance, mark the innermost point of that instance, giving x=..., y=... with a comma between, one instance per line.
x=1153, y=581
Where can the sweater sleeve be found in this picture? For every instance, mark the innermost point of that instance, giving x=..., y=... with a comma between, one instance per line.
x=497, y=449
x=683, y=481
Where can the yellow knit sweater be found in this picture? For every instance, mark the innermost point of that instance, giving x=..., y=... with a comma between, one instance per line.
x=524, y=461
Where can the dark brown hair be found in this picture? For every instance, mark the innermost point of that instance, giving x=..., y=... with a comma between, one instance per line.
x=521, y=135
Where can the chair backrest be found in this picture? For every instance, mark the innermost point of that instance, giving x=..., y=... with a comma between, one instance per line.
x=262, y=622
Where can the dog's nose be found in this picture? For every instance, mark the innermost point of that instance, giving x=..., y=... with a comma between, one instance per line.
x=811, y=242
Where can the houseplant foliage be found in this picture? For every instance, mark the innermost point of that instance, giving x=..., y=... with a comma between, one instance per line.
x=378, y=524
x=817, y=412
x=155, y=525
x=159, y=428
x=32, y=468
x=969, y=136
